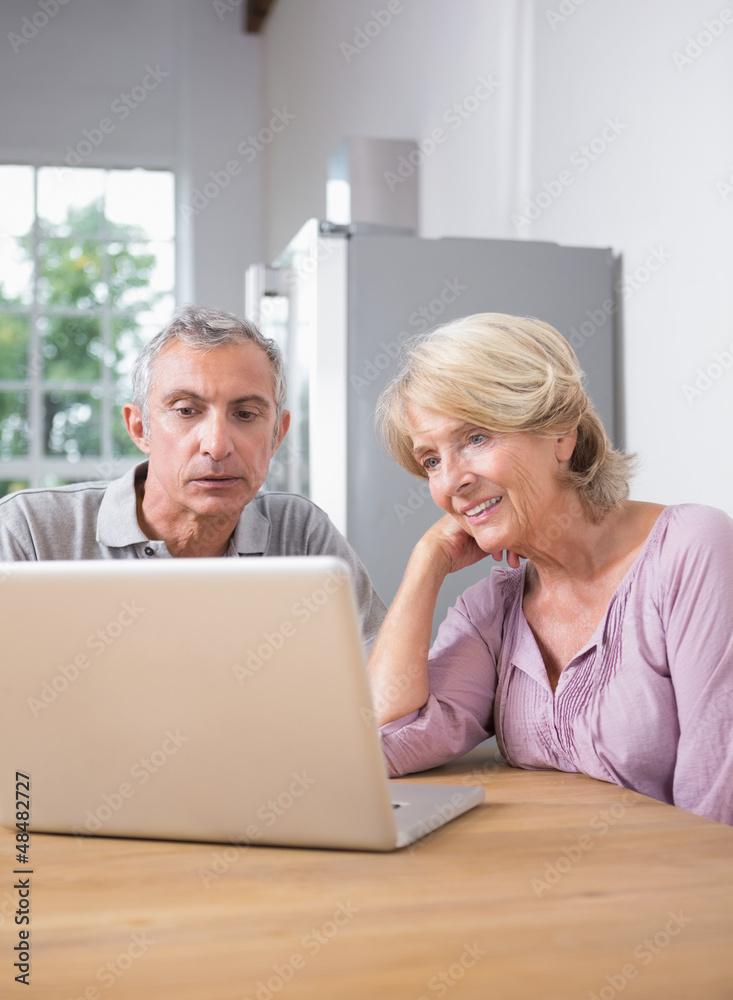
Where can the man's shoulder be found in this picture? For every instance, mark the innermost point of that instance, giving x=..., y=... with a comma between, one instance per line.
x=281, y=523
x=76, y=521
x=51, y=496
x=279, y=504
x=50, y=522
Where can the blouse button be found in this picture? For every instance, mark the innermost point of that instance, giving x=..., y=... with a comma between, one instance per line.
x=149, y=551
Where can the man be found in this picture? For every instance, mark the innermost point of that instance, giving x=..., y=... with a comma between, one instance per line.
x=208, y=411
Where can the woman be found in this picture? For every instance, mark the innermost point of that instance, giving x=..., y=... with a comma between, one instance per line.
x=610, y=651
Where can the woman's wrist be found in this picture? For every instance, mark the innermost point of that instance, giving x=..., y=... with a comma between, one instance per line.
x=429, y=560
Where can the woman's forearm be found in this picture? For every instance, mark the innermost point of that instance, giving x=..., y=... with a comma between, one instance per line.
x=398, y=665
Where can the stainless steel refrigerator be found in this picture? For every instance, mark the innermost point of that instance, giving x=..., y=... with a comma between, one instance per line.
x=342, y=299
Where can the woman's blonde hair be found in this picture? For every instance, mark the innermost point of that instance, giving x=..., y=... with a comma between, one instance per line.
x=506, y=374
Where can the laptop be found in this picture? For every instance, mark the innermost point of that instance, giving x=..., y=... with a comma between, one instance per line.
x=220, y=700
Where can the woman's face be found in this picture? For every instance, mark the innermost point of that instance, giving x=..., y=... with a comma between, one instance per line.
x=499, y=487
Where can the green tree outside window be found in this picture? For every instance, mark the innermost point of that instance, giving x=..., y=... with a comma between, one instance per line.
x=70, y=336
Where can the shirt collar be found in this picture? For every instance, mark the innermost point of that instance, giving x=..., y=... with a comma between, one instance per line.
x=252, y=532
x=117, y=523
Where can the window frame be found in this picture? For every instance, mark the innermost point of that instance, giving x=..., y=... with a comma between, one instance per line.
x=37, y=468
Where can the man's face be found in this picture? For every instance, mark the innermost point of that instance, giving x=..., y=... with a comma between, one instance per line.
x=212, y=429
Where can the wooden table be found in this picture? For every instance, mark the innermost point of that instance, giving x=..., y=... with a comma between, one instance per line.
x=559, y=887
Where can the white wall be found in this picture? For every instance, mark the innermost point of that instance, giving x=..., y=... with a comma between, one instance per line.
x=402, y=84
x=653, y=188
x=67, y=75
x=219, y=107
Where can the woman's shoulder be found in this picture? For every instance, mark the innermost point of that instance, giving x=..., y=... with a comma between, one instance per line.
x=685, y=568
x=691, y=534
x=692, y=523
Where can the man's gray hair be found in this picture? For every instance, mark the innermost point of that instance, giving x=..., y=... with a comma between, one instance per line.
x=204, y=329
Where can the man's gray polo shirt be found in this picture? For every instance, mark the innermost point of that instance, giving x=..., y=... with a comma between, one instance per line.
x=98, y=520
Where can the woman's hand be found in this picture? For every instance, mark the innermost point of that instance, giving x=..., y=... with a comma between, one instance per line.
x=451, y=543
x=449, y=546
x=511, y=557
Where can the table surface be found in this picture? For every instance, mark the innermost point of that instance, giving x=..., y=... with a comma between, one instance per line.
x=558, y=887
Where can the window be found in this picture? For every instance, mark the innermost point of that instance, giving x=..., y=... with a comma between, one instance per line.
x=86, y=278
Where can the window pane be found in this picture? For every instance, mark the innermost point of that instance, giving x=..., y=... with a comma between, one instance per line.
x=122, y=445
x=70, y=274
x=159, y=316
x=128, y=333
x=11, y=485
x=16, y=200
x=139, y=273
x=16, y=269
x=14, y=428
x=70, y=201
x=142, y=200
x=129, y=336
x=13, y=346
x=72, y=347
x=87, y=278
x=72, y=424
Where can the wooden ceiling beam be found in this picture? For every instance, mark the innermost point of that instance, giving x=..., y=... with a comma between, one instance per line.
x=255, y=13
